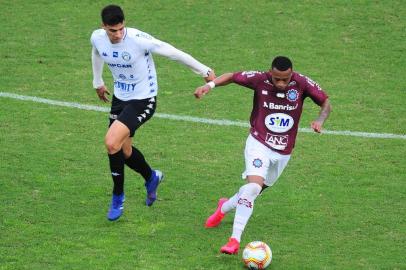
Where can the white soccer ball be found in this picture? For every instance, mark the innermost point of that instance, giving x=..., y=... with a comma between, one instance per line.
x=257, y=255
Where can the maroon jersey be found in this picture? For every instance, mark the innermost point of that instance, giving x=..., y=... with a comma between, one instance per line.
x=275, y=114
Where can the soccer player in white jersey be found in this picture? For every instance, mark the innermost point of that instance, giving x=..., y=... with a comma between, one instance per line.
x=128, y=54
x=278, y=101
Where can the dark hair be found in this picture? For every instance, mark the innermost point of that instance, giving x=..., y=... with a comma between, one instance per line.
x=282, y=63
x=112, y=15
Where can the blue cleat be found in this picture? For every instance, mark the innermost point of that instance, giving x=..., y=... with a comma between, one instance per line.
x=116, y=208
x=152, y=185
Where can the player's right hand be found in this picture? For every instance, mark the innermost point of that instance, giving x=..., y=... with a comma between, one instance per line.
x=101, y=92
x=201, y=91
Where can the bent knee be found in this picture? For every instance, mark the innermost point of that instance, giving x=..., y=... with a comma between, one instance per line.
x=251, y=189
x=112, y=145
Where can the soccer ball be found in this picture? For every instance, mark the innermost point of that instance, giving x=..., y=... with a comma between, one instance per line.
x=257, y=255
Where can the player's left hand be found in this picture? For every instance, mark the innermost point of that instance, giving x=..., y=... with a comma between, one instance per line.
x=211, y=76
x=316, y=126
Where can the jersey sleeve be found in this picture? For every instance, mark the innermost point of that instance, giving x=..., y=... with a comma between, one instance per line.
x=147, y=42
x=97, y=64
x=92, y=39
x=248, y=79
x=97, y=67
x=314, y=91
x=156, y=46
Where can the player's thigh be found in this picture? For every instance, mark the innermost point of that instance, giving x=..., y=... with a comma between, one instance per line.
x=278, y=164
x=136, y=113
x=256, y=160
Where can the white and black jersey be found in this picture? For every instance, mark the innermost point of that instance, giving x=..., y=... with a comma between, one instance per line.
x=131, y=64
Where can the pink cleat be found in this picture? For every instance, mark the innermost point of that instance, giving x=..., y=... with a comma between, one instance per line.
x=231, y=247
x=215, y=219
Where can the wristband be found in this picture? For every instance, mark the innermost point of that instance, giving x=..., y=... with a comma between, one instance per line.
x=211, y=84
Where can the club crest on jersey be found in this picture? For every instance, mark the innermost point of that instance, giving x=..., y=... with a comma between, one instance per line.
x=292, y=95
x=126, y=56
x=257, y=163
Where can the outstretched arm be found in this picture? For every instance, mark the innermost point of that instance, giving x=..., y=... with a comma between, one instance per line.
x=219, y=81
x=323, y=115
x=167, y=50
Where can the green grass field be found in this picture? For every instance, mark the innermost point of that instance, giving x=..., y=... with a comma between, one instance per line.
x=340, y=204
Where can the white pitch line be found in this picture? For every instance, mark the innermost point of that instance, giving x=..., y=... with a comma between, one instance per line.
x=196, y=119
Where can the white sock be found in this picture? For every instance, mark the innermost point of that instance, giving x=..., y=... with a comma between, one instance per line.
x=245, y=207
x=231, y=204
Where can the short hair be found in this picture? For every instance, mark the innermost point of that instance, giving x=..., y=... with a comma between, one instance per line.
x=112, y=15
x=282, y=63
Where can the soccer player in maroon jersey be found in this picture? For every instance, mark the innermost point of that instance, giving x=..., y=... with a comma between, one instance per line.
x=278, y=101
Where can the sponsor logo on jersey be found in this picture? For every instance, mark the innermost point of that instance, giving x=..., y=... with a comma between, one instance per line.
x=122, y=76
x=280, y=95
x=279, y=122
x=278, y=142
x=104, y=54
x=273, y=106
x=245, y=202
x=119, y=65
x=125, y=87
x=264, y=92
x=115, y=54
x=257, y=163
x=126, y=56
x=292, y=95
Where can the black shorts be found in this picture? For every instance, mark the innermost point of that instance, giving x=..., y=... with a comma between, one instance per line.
x=132, y=113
